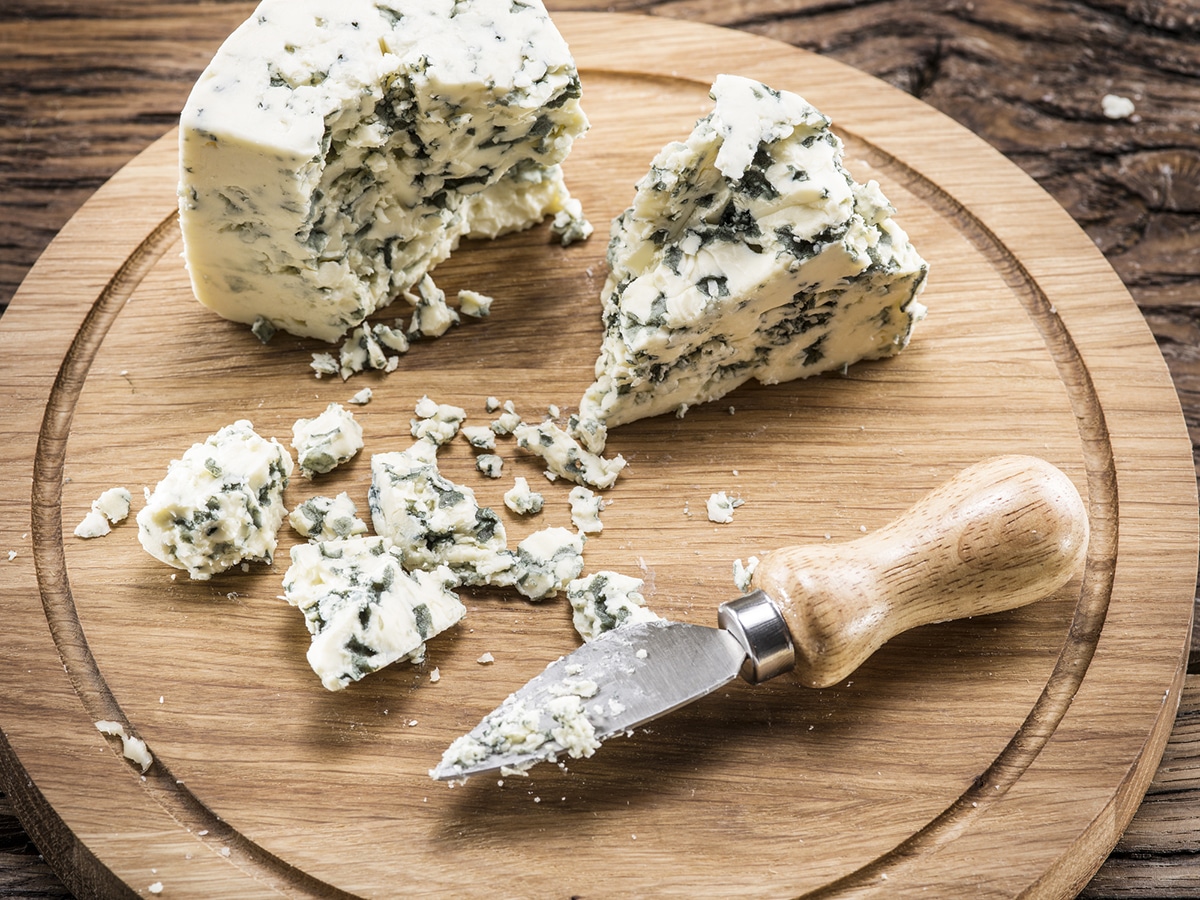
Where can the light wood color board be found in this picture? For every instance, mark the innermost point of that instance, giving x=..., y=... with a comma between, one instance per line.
x=990, y=757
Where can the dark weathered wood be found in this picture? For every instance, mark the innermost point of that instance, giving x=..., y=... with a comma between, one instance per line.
x=89, y=84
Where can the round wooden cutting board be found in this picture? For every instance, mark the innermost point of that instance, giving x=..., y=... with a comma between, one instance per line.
x=1000, y=756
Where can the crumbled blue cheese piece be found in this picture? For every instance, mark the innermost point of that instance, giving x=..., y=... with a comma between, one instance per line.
x=521, y=499
x=566, y=458
x=332, y=154
x=489, y=465
x=481, y=437
x=436, y=422
x=363, y=610
x=721, y=506
x=508, y=420
x=361, y=398
x=327, y=518
x=475, y=304
x=749, y=252
x=432, y=520
x=586, y=507
x=325, y=442
x=605, y=600
x=111, y=507
x=569, y=224
x=133, y=748
x=546, y=562
x=431, y=316
x=744, y=572
x=220, y=504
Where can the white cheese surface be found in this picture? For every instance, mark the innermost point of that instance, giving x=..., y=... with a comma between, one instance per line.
x=219, y=504
x=331, y=154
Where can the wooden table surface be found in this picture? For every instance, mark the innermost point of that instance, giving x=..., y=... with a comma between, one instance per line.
x=87, y=85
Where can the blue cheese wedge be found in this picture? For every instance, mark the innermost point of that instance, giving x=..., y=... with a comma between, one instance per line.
x=606, y=600
x=363, y=610
x=220, y=504
x=326, y=441
x=565, y=457
x=107, y=510
x=327, y=518
x=331, y=154
x=749, y=253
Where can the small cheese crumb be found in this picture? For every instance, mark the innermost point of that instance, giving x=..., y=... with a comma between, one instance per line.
x=474, y=304
x=362, y=398
x=586, y=507
x=436, y=674
x=110, y=507
x=156, y=888
x=744, y=572
x=486, y=659
x=1116, y=106
x=132, y=748
x=721, y=507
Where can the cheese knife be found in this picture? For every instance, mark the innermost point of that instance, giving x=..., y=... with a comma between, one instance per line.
x=1001, y=534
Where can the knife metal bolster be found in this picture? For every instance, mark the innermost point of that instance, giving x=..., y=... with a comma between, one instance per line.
x=760, y=628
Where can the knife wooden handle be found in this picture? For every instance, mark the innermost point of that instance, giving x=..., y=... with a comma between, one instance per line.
x=1002, y=533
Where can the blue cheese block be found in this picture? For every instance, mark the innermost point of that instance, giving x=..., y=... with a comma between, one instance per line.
x=362, y=609
x=220, y=504
x=432, y=520
x=749, y=252
x=331, y=154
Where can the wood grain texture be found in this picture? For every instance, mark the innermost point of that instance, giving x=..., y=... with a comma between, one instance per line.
x=1117, y=178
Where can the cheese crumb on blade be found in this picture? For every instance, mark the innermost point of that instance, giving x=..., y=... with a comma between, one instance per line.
x=749, y=252
x=332, y=154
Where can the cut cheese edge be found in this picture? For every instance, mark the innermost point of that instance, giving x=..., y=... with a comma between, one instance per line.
x=749, y=253
x=332, y=154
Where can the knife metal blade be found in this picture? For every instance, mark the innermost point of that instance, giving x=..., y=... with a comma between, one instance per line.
x=1000, y=534
x=622, y=679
